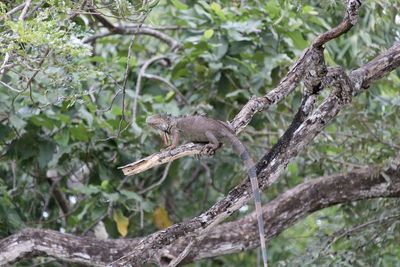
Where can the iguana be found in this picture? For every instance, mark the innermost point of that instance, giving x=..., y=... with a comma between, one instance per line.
x=214, y=133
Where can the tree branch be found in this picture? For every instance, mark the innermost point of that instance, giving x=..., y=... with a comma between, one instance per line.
x=127, y=30
x=231, y=237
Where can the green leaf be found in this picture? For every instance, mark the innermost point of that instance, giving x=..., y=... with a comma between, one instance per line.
x=79, y=133
x=179, y=5
x=215, y=7
x=88, y=190
x=298, y=39
x=309, y=10
x=46, y=151
x=10, y=220
x=293, y=168
x=121, y=221
x=116, y=110
x=170, y=95
x=238, y=92
x=17, y=122
x=42, y=121
x=5, y=131
x=273, y=9
x=111, y=197
x=62, y=137
x=208, y=33
x=131, y=195
x=218, y=10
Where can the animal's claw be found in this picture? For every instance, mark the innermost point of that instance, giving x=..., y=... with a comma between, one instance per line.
x=208, y=150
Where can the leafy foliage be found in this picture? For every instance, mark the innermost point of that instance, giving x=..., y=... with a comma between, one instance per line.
x=67, y=119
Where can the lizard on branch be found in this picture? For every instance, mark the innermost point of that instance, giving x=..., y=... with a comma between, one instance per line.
x=214, y=133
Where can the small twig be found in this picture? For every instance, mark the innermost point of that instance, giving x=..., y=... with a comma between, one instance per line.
x=339, y=235
x=14, y=174
x=141, y=212
x=14, y=10
x=35, y=8
x=168, y=83
x=4, y=65
x=28, y=84
x=378, y=137
x=174, y=44
x=112, y=102
x=76, y=13
x=142, y=70
x=38, y=68
x=26, y=7
x=164, y=176
x=11, y=88
x=157, y=28
x=120, y=130
x=182, y=255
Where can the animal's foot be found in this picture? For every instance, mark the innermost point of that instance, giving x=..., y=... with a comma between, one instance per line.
x=208, y=150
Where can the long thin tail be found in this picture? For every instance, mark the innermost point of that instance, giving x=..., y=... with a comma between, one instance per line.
x=241, y=150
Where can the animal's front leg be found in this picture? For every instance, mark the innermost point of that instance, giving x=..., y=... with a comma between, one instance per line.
x=213, y=144
x=175, y=140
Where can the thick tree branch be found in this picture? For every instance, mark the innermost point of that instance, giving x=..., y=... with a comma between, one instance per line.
x=377, y=68
x=231, y=237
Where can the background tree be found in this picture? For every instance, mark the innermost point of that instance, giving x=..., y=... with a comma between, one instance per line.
x=78, y=79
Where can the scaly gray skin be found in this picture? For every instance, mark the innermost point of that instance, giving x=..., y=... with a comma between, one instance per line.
x=214, y=133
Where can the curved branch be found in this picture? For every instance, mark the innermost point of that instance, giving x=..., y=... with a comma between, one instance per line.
x=141, y=73
x=181, y=97
x=348, y=22
x=174, y=44
x=231, y=237
x=129, y=30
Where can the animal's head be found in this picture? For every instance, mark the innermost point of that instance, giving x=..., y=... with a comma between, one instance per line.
x=163, y=123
